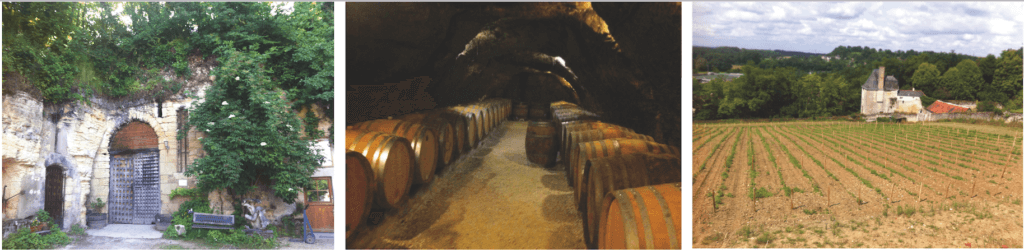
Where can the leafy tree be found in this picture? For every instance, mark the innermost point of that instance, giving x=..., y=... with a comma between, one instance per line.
x=758, y=93
x=249, y=136
x=988, y=67
x=949, y=84
x=971, y=81
x=926, y=78
x=1007, y=78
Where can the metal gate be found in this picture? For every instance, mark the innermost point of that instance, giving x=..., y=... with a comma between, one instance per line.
x=54, y=202
x=134, y=187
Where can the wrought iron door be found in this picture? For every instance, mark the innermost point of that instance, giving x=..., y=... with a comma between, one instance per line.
x=134, y=188
x=146, y=188
x=54, y=203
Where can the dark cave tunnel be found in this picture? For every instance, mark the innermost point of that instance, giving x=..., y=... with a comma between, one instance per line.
x=619, y=60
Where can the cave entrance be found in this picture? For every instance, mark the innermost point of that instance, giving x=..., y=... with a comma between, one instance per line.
x=134, y=196
x=54, y=189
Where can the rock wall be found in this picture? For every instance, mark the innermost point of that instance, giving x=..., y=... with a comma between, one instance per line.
x=77, y=137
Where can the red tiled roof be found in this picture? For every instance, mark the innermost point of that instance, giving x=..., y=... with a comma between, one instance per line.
x=940, y=107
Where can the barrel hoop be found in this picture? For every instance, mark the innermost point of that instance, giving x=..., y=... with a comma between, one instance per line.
x=356, y=141
x=617, y=146
x=377, y=154
x=643, y=217
x=540, y=136
x=625, y=174
x=669, y=223
x=626, y=210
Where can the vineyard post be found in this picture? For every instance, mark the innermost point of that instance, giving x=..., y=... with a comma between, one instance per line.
x=920, y=195
x=828, y=197
x=972, y=187
x=892, y=192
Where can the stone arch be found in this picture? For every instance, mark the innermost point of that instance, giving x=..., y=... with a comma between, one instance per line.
x=133, y=135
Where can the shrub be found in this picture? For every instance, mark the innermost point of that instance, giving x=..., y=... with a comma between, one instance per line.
x=765, y=238
x=711, y=238
x=77, y=230
x=745, y=231
x=760, y=193
x=25, y=239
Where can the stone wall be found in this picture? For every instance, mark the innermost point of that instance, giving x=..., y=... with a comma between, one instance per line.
x=908, y=105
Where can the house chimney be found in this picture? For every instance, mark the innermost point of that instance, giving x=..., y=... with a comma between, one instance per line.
x=881, y=78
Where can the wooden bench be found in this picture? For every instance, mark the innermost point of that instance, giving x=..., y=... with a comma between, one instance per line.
x=213, y=221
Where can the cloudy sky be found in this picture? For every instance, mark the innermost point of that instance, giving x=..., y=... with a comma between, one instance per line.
x=978, y=29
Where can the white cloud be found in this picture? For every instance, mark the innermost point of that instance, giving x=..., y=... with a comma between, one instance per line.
x=741, y=15
x=981, y=28
x=778, y=13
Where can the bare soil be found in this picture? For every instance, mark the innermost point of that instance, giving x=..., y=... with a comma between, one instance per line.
x=983, y=210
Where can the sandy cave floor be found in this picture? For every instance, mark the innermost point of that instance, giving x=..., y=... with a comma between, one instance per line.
x=491, y=197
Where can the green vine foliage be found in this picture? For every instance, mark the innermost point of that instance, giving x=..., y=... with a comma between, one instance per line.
x=250, y=132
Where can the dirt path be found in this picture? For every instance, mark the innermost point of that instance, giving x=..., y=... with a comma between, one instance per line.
x=492, y=197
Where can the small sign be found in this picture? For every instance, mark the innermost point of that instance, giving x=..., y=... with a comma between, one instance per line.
x=376, y=216
x=183, y=183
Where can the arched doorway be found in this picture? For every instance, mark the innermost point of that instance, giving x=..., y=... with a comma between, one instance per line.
x=134, y=196
x=53, y=202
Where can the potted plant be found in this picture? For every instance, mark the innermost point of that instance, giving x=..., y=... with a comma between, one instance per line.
x=41, y=222
x=95, y=219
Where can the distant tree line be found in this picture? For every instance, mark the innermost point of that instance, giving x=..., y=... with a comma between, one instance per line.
x=812, y=87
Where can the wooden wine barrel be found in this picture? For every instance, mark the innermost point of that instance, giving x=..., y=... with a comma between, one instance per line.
x=359, y=187
x=490, y=115
x=503, y=106
x=539, y=111
x=540, y=145
x=609, y=147
x=474, y=127
x=392, y=161
x=645, y=217
x=423, y=141
x=445, y=134
x=575, y=126
x=607, y=174
x=585, y=133
x=458, y=124
x=522, y=111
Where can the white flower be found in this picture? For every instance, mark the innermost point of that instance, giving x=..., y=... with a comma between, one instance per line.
x=265, y=102
x=201, y=101
x=290, y=189
x=224, y=103
x=207, y=130
x=200, y=138
x=289, y=127
x=263, y=143
x=236, y=78
x=211, y=123
x=231, y=116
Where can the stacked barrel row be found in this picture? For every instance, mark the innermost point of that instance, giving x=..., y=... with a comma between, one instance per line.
x=625, y=185
x=387, y=156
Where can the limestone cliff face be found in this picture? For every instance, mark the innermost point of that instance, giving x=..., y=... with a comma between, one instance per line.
x=76, y=137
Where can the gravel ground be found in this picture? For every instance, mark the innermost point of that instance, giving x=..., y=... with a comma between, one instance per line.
x=492, y=197
x=111, y=243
